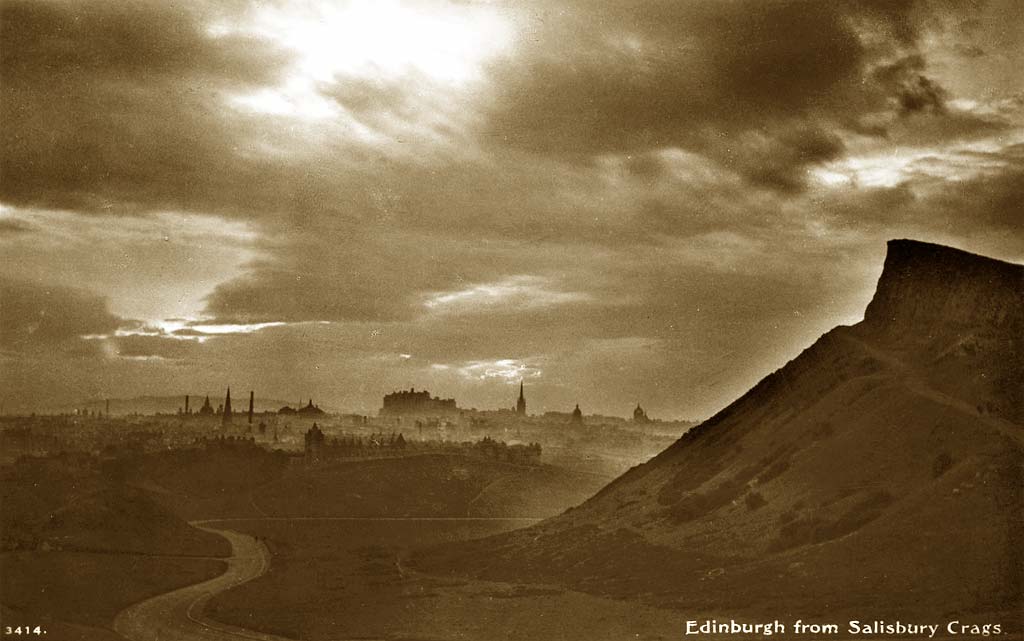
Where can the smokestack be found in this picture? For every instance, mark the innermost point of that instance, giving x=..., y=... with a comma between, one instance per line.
x=107, y=411
x=186, y=404
x=252, y=395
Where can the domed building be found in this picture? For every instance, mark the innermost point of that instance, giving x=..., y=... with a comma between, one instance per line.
x=639, y=415
x=309, y=410
x=206, y=409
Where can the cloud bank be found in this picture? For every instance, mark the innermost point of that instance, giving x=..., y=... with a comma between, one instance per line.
x=654, y=201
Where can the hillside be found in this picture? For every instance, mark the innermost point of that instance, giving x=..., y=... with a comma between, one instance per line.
x=877, y=474
x=428, y=485
x=70, y=502
x=79, y=545
x=207, y=482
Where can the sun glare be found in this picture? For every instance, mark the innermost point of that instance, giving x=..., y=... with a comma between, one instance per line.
x=377, y=39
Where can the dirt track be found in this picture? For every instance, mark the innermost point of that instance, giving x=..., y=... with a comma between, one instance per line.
x=177, y=615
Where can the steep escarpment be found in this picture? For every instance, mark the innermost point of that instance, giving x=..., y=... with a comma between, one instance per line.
x=879, y=469
x=958, y=318
x=927, y=290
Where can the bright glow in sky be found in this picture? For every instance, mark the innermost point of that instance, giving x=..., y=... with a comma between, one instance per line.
x=506, y=369
x=150, y=267
x=470, y=191
x=522, y=291
x=186, y=330
x=175, y=325
x=892, y=167
x=371, y=39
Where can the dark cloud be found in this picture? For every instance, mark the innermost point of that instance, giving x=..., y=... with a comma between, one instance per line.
x=912, y=91
x=156, y=347
x=987, y=204
x=933, y=127
x=755, y=86
x=368, y=273
x=921, y=94
x=120, y=42
x=34, y=315
x=779, y=160
x=188, y=332
x=990, y=202
x=274, y=294
x=112, y=106
x=625, y=204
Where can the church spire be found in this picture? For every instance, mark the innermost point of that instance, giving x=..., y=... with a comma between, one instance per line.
x=521, y=403
x=226, y=418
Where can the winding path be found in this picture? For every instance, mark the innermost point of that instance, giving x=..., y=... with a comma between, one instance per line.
x=177, y=615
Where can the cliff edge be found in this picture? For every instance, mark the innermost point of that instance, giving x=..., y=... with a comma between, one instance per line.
x=878, y=473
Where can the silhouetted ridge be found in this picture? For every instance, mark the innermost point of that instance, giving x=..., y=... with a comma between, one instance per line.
x=937, y=306
x=851, y=476
x=926, y=286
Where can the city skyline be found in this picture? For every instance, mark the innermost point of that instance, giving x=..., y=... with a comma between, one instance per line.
x=274, y=404
x=660, y=201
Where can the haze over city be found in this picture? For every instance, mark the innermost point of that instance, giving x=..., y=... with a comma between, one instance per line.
x=657, y=203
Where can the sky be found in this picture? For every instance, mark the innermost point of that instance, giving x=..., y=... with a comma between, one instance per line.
x=654, y=202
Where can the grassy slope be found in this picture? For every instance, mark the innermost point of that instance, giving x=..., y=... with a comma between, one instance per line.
x=90, y=588
x=332, y=580
x=426, y=485
x=80, y=505
x=336, y=579
x=57, y=629
x=842, y=481
x=201, y=483
x=80, y=546
x=88, y=518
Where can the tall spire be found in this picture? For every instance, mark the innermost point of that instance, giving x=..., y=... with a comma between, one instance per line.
x=226, y=418
x=521, y=403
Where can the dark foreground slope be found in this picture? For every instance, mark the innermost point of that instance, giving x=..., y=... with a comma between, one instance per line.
x=77, y=502
x=877, y=474
x=78, y=545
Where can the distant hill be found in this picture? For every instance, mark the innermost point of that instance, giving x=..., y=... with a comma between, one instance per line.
x=879, y=473
x=69, y=503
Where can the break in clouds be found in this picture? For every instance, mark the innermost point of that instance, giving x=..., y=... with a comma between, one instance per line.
x=656, y=201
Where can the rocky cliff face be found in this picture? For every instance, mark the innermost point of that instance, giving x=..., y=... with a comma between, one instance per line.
x=879, y=473
x=927, y=289
x=958, y=318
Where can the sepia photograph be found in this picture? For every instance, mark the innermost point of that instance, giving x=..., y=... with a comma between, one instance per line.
x=511, y=320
